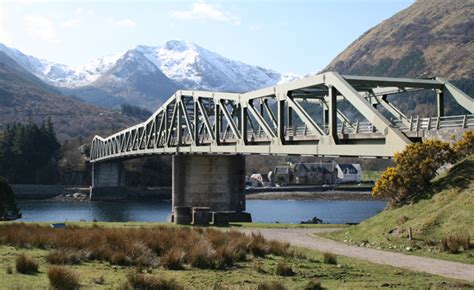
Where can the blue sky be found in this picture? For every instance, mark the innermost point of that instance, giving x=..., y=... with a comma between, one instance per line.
x=288, y=36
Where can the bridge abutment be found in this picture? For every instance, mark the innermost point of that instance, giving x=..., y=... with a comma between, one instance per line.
x=108, y=181
x=213, y=181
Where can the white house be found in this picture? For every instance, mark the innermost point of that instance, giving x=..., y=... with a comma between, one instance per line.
x=349, y=173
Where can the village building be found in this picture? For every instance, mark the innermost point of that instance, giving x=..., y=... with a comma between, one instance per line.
x=317, y=173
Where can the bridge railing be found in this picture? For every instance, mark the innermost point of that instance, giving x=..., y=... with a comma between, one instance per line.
x=435, y=123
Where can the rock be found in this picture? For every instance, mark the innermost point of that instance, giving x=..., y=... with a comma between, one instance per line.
x=314, y=220
x=77, y=195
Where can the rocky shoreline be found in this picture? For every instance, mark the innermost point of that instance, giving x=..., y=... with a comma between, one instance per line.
x=71, y=197
x=302, y=195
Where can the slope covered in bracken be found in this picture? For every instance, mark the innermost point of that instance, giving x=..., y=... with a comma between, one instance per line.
x=430, y=38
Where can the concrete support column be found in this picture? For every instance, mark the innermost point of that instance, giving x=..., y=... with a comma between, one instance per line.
x=213, y=181
x=108, y=180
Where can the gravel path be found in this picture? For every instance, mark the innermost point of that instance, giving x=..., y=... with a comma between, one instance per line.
x=302, y=238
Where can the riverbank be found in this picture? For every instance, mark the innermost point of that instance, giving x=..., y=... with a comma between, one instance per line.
x=303, y=195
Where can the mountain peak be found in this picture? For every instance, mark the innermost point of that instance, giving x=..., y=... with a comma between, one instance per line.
x=179, y=45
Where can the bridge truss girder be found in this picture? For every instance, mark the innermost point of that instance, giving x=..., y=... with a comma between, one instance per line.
x=262, y=121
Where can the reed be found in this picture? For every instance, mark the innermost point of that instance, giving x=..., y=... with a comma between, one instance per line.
x=144, y=247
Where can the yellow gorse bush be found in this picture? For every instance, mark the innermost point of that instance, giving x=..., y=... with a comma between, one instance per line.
x=416, y=166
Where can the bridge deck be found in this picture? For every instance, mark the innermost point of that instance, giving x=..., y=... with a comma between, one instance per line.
x=311, y=116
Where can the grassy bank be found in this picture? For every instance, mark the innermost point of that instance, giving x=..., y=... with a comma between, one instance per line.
x=437, y=223
x=253, y=262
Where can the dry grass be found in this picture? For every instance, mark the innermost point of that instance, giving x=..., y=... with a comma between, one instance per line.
x=145, y=282
x=313, y=285
x=329, y=258
x=65, y=257
x=456, y=243
x=282, y=269
x=271, y=285
x=63, y=278
x=26, y=265
x=173, y=259
x=143, y=247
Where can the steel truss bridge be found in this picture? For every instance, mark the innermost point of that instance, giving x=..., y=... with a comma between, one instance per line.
x=311, y=116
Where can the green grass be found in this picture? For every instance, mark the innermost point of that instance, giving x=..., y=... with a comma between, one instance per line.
x=286, y=226
x=350, y=273
x=448, y=212
x=154, y=224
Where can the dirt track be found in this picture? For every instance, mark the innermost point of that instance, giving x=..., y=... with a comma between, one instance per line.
x=303, y=238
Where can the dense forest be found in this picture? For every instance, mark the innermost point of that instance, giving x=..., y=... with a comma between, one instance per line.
x=29, y=153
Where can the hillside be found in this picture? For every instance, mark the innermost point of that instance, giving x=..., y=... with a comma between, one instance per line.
x=447, y=213
x=429, y=38
x=24, y=98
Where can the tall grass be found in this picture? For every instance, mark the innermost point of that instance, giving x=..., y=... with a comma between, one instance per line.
x=456, y=243
x=144, y=281
x=26, y=265
x=144, y=247
x=62, y=278
x=329, y=258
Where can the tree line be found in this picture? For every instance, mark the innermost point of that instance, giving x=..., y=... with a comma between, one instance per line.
x=29, y=153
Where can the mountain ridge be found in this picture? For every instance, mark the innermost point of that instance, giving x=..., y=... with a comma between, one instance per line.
x=163, y=70
x=429, y=38
x=25, y=98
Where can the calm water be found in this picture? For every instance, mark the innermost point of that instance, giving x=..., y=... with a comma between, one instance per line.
x=267, y=211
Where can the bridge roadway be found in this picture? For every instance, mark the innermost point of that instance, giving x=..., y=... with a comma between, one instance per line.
x=208, y=132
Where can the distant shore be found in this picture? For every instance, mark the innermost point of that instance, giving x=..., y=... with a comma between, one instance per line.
x=304, y=195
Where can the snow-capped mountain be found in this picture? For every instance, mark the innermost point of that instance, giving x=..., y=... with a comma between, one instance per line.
x=147, y=75
x=197, y=68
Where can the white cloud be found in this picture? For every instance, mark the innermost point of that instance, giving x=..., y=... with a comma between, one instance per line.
x=74, y=21
x=71, y=23
x=41, y=28
x=125, y=23
x=204, y=11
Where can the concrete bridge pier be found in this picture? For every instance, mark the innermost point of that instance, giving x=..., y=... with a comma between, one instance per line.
x=108, y=181
x=213, y=181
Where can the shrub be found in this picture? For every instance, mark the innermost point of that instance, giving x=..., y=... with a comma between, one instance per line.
x=329, y=258
x=202, y=256
x=26, y=265
x=465, y=146
x=272, y=285
x=63, y=257
x=7, y=200
x=456, y=243
x=144, y=281
x=173, y=259
x=63, y=278
x=283, y=269
x=313, y=285
x=258, y=245
x=415, y=167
